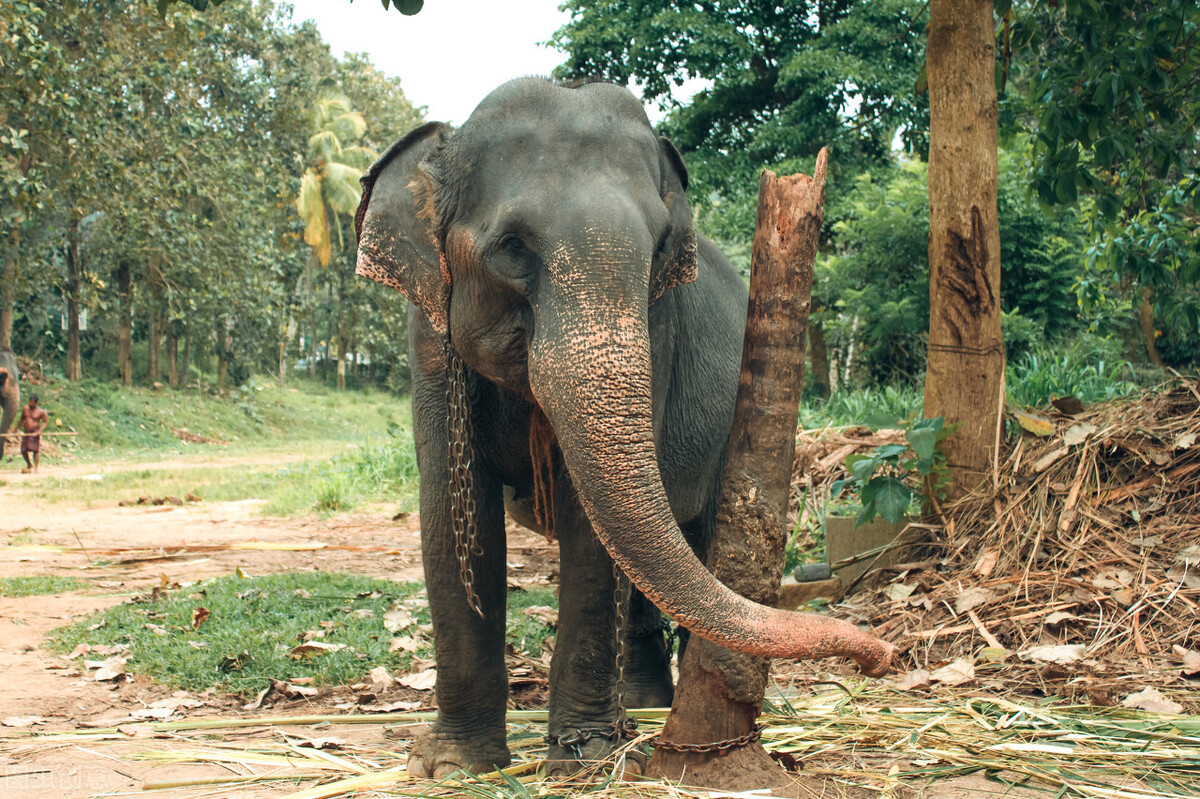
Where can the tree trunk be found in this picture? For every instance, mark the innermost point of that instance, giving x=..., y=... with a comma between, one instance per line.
x=820, y=359
x=964, y=380
x=1145, y=310
x=74, y=295
x=187, y=359
x=172, y=355
x=222, y=355
x=720, y=692
x=153, y=359
x=125, y=322
x=371, y=366
x=8, y=290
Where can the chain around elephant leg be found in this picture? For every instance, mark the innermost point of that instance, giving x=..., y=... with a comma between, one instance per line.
x=460, y=461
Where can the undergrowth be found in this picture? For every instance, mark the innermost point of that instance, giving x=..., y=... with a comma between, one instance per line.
x=37, y=585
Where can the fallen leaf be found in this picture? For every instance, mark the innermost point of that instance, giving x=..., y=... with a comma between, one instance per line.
x=971, y=599
x=1061, y=654
x=396, y=619
x=899, y=591
x=956, y=673
x=1049, y=459
x=404, y=644
x=987, y=562
x=1191, y=661
x=390, y=707
x=542, y=613
x=994, y=654
x=80, y=649
x=1113, y=579
x=1069, y=404
x=1185, y=440
x=914, y=679
x=292, y=691
x=1038, y=425
x=380, y=679
x=314, y=648
x=320, y=743
x=1150, y=699
x=111, y=669
x=1078, y=433
x=199, y=616
x=258, y=699
x=420, y=681
x=1058, y=617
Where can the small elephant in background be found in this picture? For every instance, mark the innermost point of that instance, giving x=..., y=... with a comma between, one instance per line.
x=548, y=250
x=10, y=394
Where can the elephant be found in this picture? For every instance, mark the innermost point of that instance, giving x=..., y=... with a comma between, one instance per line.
x=10, y=393
x=569, y=323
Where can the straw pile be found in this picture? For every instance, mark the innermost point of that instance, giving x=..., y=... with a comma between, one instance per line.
x=1082, y=557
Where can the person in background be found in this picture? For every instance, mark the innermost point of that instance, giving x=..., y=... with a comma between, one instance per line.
x=33, y=422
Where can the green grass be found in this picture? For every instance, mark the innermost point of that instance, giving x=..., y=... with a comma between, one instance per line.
x=254, y=623
x=1088, y=372
x=889, y=406
x=38, y=585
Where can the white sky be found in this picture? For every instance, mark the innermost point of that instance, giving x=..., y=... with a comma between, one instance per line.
x=449, y=56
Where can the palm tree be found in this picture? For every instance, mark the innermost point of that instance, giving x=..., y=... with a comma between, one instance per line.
x=329, y=188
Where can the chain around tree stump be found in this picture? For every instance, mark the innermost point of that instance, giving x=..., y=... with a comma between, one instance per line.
x=460, y=457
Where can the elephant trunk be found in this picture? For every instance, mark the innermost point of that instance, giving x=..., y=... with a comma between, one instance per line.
x=590, y=372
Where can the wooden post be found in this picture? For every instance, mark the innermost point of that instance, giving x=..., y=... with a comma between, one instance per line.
x=720, y=692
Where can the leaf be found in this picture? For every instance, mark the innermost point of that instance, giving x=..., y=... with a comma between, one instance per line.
x=1049, y=459
x=1069, y=405
x=1152, y=700
x=987, y=562
x=956, y=673
x=396, y=619
x=1184, y=441
x=404, y=644
x=914, y=679
x=1038, y=425
x=111, y=669
x=313, y=648
x=899, y=591
x=543, y=613
x=923, y=442
x=1078, y=433
x=1191, y=661
x=420, y=681
x=408, y=7
x=891, y=498
x=971, y=599
x=199, y=616
x=1061, y=654
x=22, y=721
x=293, y=691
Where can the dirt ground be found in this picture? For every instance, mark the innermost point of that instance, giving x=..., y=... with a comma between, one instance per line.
x=123, y=551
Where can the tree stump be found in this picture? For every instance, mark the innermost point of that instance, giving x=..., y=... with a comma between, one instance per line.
x=710, y=738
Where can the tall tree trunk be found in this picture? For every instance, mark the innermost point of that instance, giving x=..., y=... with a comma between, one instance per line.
x=172, y=354
x=125, y=322
x=187, y=358
x=74, y=295
x=964, y=380
x=222, y=355
x=1145, y=310
x=153, y=352
x=820, y=358
x=720, y=692
x=8, y=289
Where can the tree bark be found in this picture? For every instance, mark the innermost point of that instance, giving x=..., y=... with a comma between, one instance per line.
x=187, y=359
x=172, y=354
x=222, y=355
x=1145, y=311
x=125, y=322
x=964, y=380
x=820, y=359
x=74, y=295
x=8, y=290
x=153, y=346
x=720, y=692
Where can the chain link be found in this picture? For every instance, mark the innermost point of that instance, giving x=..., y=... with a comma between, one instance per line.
x=460, y=456
x=626, y=726
x=718, y=746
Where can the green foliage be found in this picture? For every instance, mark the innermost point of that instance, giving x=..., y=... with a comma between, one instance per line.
x=1091, y=370
x=886, y=406
x=887, y=486
x=39, y=584
x=1110, y=101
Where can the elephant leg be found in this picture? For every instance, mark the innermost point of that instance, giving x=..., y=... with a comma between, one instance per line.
x=648, y=662
x=472, y=683
x=583, y=685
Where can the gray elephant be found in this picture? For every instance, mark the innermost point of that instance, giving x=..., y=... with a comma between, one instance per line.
x=10, y=393
x=564, y=308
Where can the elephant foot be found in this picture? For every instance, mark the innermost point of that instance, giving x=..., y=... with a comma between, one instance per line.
x=573, y=750
x=438, y=755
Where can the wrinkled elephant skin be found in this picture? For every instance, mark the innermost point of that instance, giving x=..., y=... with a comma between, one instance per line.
x=551, y=237
x=10, y=393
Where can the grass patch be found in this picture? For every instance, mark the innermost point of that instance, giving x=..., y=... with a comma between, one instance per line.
x=253, y=625
x=889, y=406
x=39, y=584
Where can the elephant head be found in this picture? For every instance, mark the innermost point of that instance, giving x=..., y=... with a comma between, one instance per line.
x=537, y=236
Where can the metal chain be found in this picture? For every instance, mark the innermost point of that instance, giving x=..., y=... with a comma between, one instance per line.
x=460, y=456
x=621, y=626
x=718, y=746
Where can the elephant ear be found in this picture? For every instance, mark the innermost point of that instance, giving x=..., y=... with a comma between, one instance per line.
x=394, y=224
x=675, y=263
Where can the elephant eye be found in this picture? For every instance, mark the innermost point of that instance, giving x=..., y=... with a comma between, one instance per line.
x=513, y=245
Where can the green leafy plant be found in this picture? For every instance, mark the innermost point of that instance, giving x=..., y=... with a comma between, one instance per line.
x=888, y=480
